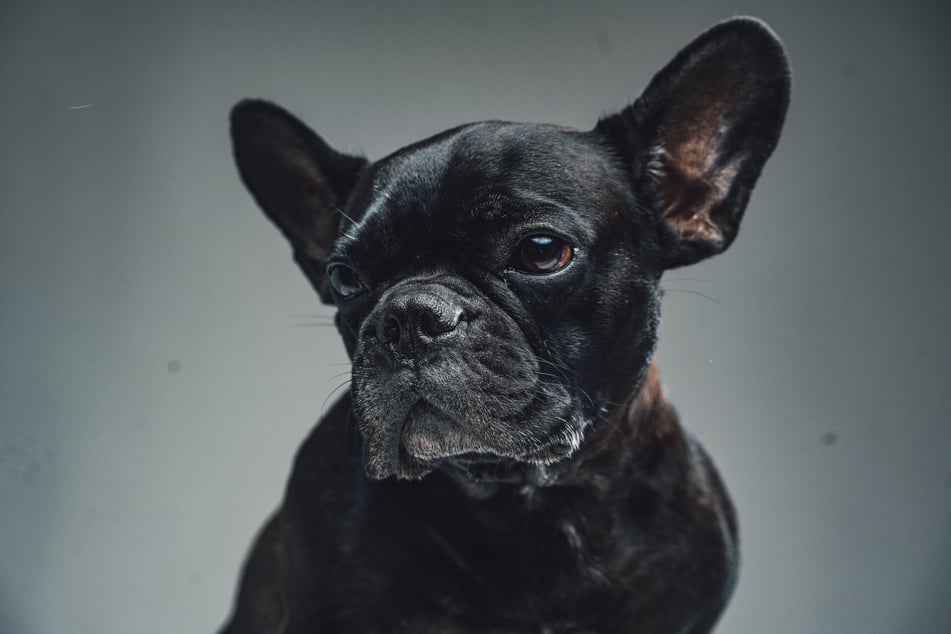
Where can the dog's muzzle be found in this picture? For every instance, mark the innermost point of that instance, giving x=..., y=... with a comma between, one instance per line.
x=413, y=325
x=440, y=371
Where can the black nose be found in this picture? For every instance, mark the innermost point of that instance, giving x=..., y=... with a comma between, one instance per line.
x=420, y=318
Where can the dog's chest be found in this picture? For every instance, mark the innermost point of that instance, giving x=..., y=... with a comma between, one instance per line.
x=448, y=571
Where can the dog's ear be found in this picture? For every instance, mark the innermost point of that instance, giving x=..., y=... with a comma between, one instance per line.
x=299, y=181
x=697, y=138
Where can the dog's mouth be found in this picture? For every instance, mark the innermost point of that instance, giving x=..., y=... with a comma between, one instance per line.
x=429, y=434
x=434, y=439
x=430, y=439
x=493, y=469
x=467, y=397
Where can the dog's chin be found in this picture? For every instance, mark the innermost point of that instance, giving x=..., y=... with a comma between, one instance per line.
x=482, y=470
x=430, y=440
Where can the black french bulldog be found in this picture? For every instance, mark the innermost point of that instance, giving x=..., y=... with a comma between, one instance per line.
x=506, y=461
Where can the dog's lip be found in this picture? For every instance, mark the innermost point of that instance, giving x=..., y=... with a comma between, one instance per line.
x=414, y=439
x=484, y=465
x=415, y=444
x=479, y=469
x=476, y=458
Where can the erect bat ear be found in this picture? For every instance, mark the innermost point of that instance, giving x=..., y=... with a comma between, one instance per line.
x=696, y=140
x=299, y=181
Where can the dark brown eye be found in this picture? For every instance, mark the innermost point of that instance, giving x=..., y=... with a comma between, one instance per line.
x=543, y=254
x=344, y=281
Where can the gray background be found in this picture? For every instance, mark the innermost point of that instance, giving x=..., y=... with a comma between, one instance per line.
x=160, y=361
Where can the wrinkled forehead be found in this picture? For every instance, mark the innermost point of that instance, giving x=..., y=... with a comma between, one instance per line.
x=488, y=177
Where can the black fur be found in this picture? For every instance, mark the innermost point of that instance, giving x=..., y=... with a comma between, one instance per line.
x=506, y=461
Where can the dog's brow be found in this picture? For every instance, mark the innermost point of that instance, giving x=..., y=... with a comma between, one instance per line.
x=380, y=198
x=385, y=185
x=551, y=203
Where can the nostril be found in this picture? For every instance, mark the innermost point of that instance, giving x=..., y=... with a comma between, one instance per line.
x=427, y=323
x=409, y=322
x=438, y=319
x=388, y=329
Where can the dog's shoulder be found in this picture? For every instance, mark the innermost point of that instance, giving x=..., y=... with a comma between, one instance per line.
x=260, y=603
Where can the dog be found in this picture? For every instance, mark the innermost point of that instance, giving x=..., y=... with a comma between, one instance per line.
x=505, y=461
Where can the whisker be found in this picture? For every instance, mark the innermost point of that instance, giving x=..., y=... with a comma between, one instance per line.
x=323, y=407
x=337, y=376
x=686, y=279
x=588, y=396
x=350, y=431
x=691, y=292
x=562, y=369
x=340, y=211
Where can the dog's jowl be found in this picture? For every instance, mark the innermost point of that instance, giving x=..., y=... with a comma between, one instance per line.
x=505, y=461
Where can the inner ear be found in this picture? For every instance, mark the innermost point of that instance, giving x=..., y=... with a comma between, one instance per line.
x=696, y=140
x=299, y=181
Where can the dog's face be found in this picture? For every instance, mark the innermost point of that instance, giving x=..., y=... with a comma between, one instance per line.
x=496, y=284
x=483, y=284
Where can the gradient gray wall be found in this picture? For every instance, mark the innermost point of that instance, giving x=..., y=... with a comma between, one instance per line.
x=159, y=362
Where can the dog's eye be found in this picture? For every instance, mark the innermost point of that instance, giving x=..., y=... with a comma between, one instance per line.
x=345, y=281
x=543, y=254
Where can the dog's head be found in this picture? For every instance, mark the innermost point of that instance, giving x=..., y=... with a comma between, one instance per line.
x=497, y=284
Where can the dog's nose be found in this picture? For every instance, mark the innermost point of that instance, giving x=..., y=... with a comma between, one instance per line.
x=421, y=317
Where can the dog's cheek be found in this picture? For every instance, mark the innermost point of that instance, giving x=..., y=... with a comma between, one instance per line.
x=608, y=338
x=378, y=407
x=347, y=330
x=636, y=330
